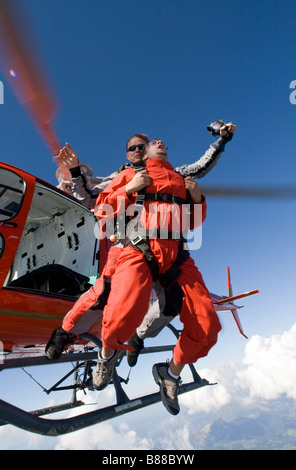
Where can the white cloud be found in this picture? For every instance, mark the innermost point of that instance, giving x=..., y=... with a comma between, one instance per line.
x=267, y=371
x=270, y=366
x=208, y=398
x=103, y=436
x=12, y=438
x=178, y=436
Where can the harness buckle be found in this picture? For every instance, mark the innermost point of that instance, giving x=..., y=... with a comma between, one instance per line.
x=136, y=240
x=140, y=200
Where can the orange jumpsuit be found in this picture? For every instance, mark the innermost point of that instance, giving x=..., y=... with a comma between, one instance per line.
x=132, y=281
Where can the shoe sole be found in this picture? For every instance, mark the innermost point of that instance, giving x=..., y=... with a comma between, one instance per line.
x=163, y=396
x=132, y=358
x=52, y=356
x=53, y=352
x=102, y=387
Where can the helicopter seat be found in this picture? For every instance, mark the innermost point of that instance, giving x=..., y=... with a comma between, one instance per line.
x=53, y=279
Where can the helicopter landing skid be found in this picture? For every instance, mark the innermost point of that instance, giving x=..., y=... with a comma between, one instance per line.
x=34, y=422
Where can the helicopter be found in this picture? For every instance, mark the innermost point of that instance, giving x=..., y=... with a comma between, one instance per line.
x=49, y=253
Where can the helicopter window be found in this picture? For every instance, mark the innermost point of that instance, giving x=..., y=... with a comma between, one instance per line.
x=12, y=190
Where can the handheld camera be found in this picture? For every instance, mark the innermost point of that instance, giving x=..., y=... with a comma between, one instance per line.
x=214, y=127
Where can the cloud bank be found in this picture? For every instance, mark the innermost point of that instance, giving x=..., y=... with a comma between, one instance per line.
x=270, y=366
x=267, y=371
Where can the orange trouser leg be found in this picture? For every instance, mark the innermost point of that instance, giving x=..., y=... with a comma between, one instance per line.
x=82, y=306
x=128, y=300
x=79, y=319
x=201, y=323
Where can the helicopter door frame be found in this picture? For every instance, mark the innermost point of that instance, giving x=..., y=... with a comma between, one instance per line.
x=13, y=219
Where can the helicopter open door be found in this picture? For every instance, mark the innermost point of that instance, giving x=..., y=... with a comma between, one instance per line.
x=48, y=257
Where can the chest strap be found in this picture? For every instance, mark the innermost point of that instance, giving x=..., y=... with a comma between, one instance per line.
x=162, y=197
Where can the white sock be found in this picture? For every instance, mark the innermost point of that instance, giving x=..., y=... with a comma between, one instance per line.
x=104, y=357
x=172, y=375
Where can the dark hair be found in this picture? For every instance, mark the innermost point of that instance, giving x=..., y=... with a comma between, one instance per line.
x=140, y=136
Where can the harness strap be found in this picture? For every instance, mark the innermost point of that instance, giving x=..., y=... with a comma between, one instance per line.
x=173, y=301
x=144, y=247
x=140, y=239
x=169, y=278
x=164, y=197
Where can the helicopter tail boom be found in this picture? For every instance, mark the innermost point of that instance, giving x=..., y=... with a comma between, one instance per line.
x=226, y=303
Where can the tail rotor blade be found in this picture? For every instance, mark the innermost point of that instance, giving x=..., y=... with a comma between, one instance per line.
x=285, y=192
x=238, y=323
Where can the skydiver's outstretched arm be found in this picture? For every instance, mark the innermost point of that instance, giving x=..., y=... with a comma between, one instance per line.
x=86, y=189
x=209, y=160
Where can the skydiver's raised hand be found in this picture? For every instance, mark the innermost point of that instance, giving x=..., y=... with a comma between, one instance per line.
x=229, y=128
x=68, y=157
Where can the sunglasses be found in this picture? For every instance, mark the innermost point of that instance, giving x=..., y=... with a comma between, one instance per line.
x=134, y=147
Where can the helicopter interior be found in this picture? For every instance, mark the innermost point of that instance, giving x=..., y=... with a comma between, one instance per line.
x=53, y=253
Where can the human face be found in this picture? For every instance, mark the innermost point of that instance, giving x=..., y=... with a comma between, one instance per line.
x=135, y=157
x=156, y=149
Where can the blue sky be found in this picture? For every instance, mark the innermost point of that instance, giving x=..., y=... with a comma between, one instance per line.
x=168, y=68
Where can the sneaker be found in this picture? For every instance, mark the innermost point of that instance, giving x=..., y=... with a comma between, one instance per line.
x=104, y=369
x=57, y=343
x=132, y=356
x=168, y=387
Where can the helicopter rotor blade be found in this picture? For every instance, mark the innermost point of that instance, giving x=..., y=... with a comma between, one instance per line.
x=25, y=73
x=255, y=192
